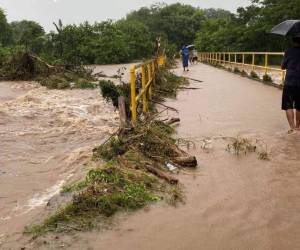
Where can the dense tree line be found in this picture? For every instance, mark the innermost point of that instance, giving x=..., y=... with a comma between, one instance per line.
x=132, y=37
x=249, y=29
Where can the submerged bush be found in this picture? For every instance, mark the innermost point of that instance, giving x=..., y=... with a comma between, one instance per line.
x=267, y=78
x=236, y=70
x=254, y=75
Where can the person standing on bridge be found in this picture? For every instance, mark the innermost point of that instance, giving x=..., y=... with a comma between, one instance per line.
x=185, y=54
x=291, y=90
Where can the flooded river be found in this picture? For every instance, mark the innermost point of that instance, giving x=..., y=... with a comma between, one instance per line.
x=232, y=202
x=47, y=137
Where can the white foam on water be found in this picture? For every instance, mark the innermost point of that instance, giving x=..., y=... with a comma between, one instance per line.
x=40, y=200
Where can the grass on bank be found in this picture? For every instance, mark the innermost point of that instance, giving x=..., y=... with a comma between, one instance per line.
x=103, y=192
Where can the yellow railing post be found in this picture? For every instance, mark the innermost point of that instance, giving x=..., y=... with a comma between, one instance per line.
x=243, y=62
x=266, y=64
x=235, y=59
x=153, y=72
x=143, y=88
x=133, y=94
x=150, y=79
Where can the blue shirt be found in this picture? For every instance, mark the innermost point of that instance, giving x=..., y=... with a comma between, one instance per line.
x=291, y=62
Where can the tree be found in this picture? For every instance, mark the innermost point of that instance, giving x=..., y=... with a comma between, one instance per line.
x=28, y=33
x=5, y=34
x=137, y=37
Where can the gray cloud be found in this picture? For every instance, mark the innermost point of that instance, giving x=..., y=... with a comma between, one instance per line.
x=76, y=11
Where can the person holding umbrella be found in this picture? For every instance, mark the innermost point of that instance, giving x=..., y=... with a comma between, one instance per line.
x=185, y=57
x=291, y=63
x=291, y=89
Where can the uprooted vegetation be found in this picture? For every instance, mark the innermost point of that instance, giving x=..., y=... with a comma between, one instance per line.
x=167, y=84
x=245, y=146
x=101, y=194
x=26, y=66
x=139, y=163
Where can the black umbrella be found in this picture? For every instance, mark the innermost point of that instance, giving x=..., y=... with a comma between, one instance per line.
x=287, y=28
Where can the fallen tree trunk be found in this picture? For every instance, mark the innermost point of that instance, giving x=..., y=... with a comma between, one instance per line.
x=186, y=161
x=172, y=121
x=192, y=88
x=41, y=61
x=196, y=80
x=162, y=175
x=168, y=107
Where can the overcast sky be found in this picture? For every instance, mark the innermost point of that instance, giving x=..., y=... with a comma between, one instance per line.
x=76, y=11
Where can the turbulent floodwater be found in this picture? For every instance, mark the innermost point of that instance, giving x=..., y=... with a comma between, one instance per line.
x=46, y=138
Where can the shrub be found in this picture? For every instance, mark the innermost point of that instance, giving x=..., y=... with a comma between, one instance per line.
x=267, y=78
x=236, y=70
x=244, y=73
x=84, y=84
x=254, y=75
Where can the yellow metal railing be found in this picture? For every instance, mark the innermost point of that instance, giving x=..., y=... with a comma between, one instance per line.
x=245, y=60
x=148, y=72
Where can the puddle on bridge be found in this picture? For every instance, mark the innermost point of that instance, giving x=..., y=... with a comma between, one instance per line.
x=232, y=202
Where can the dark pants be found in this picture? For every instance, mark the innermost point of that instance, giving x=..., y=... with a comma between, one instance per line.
x=291, y=97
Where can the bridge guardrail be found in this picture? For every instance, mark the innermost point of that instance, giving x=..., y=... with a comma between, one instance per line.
x=148, y=80
x=239, y=59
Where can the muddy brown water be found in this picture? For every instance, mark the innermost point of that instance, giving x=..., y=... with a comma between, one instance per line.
x=231, y=202
x=47, y=137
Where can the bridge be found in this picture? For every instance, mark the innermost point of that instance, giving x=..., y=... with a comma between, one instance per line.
x=233, y=202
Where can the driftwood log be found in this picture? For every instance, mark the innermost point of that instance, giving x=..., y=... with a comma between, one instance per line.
x=122, y=111
x=170, y=179
x=193, y=79
x=186, y=161
x=172, y=121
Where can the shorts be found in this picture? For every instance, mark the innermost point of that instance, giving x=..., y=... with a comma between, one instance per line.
x=291, y=97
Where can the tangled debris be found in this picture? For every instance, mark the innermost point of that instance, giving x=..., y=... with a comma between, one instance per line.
x=151, y=139
x=133, y=176
x=244, y=146
x=26, y=66
x=167, y=84
x=138, y=166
